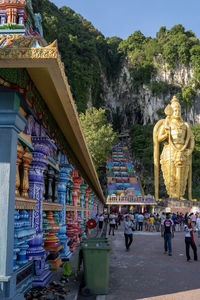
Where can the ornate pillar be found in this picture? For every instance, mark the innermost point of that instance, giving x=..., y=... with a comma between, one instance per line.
x=9, y=15
x=56, y=181
x=95, y=205
x=20, y=152
x=27, y=159
x=11, y=123
x=20, y=17
x=50, y=177
x=3, y=17
x=87, y=192
x=62, y=187
x=90, y=204
x=76, y=189
x=36, y=189
x=82, y=198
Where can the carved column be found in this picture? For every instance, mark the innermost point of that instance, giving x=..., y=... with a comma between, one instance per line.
x=83, y=187
x=76, y=189
x=50, y=177
x=62, y=187
x=36, y=188
x=11, y=123
x=95, y=205
x=55, y=194
x=87, y=192
x=27, y=159
x=20, y=152
x=14, y=15
x=45, y=183
x=20, y=17
x=70, y=193
x=90, y=204
x=9, y=15
x=3, y=17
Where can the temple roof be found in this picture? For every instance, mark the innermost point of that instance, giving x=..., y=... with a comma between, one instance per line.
x=46, y=70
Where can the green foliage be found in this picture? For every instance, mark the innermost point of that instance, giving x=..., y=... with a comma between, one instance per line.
x=152, y=49
x=159, y=88
x=186, y=96
x=99, y=135
x=141, y=75
x=142, y=148
x=196, y=163
x=134, y=42
x=172, y=46
x=84, y=50
x=176, y=45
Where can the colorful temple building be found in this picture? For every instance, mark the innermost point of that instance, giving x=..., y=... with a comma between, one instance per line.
x=124, y=190
x=49, y=187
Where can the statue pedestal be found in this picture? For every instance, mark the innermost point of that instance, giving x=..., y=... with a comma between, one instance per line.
x=175, y=205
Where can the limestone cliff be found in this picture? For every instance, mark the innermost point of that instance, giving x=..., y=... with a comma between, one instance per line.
x=144, y=106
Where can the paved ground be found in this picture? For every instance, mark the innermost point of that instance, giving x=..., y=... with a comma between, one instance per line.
x=146, y=272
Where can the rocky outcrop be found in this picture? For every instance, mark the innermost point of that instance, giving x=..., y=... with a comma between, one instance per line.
x=126, y=107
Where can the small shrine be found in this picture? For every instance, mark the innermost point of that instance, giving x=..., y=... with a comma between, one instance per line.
x=12, y=12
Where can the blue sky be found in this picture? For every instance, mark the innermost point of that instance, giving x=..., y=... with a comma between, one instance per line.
x=123, y=17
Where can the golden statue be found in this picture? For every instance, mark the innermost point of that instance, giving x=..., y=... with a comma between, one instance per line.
x=176, y=157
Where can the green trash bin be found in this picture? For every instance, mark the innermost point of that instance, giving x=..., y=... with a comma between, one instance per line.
x=96, y=256
x=95, y=240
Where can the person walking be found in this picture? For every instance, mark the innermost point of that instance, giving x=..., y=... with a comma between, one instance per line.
x=112, y=223
x=198, y=226
x=128, y=232
x=101, y=220
x=167, y=231
x=140, y=221
x=157, y=222
x=146, y=222
x=152, y=222
x=193, y=219
x=136, y=220
x=174, y=219
x=116, y=221
x=189, y=239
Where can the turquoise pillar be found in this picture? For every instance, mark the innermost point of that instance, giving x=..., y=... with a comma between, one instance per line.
x=11, y=123
x=62, y=188
x=69, y=192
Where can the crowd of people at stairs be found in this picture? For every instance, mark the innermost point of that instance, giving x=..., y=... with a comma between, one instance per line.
x=165, y=223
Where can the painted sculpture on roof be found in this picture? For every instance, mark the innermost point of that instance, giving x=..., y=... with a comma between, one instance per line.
x=18, y=14
x=176, y=156
x=12, y=11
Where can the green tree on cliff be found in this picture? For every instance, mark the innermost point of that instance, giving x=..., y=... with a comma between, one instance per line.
x=99, y=134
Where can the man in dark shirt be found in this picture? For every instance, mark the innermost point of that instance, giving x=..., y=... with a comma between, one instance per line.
x=167, y=231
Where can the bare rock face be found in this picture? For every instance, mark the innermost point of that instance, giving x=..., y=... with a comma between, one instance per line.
x=125, y=106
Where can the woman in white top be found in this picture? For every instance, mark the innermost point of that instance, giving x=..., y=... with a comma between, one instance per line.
x=112, y=223
x=101, y=219
x=189, y=239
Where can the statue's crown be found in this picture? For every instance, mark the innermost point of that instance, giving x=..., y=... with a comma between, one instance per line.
x=175, y=100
